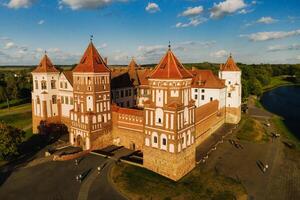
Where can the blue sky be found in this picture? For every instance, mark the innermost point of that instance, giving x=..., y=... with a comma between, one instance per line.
x=266, y=31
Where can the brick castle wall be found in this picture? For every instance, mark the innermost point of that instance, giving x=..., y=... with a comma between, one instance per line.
x=171, y=165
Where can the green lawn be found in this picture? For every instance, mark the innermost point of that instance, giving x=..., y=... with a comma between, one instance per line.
x=20, y=117
x=284, y=131
x=140, y=183
x=277, y=81
x=252, y=130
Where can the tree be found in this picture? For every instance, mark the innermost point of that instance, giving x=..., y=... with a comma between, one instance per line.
x=245, y=88
x=255, y=87
x=10, y=140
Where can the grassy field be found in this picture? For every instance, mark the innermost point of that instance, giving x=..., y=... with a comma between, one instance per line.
x=252, y=130
x=139, y=183
x=18, y=116
x=285, y=132
x=277, y=81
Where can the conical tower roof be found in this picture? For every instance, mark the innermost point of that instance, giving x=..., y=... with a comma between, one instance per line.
x=45, y=66
x=170, y=68
x=132, y=71
x=229, y=65
x=91, y=61
x=133, y=65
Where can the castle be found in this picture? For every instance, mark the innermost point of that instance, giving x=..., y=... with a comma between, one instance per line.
x=165, y=112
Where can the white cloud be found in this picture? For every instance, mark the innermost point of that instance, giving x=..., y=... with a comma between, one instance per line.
x=102, y=46
x=266, y=20
x=284, y=47
x=245, y=11
x=192, y=22
x=152, y=7
x=86, y=4
x=192, y=11
x=263, y=36
x=41, y=22
x=226, y=7
x=16, y=4
x=219, y=54
x=298, y=57
x=9, y=45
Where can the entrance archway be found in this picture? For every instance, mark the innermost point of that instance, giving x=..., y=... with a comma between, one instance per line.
x=79, y=141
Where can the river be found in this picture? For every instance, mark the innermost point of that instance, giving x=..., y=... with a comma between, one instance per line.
x=285, y=101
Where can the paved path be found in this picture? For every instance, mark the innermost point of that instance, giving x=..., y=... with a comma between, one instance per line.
x=206, y=146
x=98, y=186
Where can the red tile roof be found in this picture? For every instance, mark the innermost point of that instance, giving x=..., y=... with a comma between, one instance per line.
x=143, y=76
x=45, y=66
x=170, y=68
x=229, y=65
x=204, y=111
x=206, y=79
x=127, y=111
x=91, y=61
x=69, y=76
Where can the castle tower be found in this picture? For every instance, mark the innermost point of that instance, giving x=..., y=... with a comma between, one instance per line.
x=169, y=147
x=91, y=116
x=232, y=76
x=45, y=106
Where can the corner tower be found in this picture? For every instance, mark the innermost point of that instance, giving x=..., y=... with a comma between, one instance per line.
x=91, y=116
x=44, y=94
x=232, y=76
x=169, y=147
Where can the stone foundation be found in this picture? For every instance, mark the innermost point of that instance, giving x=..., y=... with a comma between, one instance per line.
x=233, y=115
x=101, y=140
x=171, y=165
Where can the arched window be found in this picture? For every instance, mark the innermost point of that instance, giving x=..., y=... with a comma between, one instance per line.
x=159, y=116
x=163, y=141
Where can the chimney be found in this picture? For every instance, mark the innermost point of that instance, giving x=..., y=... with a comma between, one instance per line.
x=105, y=60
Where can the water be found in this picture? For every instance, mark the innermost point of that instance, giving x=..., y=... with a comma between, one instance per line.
x=285, y=101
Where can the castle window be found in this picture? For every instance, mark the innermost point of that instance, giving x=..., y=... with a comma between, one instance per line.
x=71, y=101
x=202, y=90
x=44, y=85
x=61, y=84
x=122, y=93
x=126, y=93
x=67, y=100
x=229, y=95
x=38, y=100
x=164, y=141
x=66, y=85
x=196, y=96
x=155, y=139
x=36, y=84
x=211, y=98
x=54, y=99
x=202, y=97
x=159, y=120
x=196, y=90
x=62, y=99
x=229, y=82
x=53, y=84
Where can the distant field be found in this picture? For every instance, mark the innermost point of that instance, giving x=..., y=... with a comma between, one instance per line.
x=277, y=81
